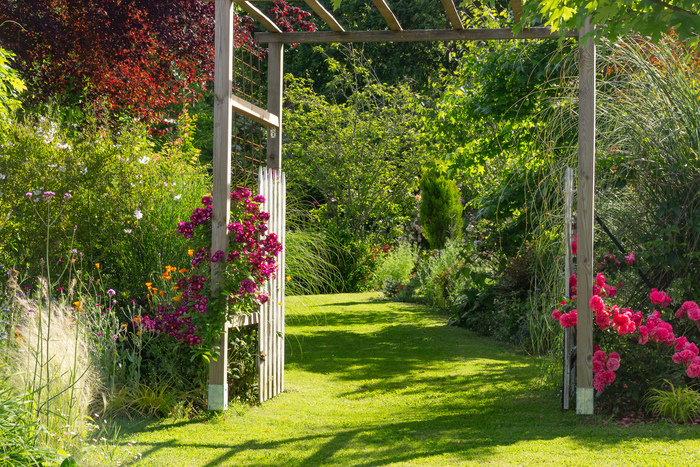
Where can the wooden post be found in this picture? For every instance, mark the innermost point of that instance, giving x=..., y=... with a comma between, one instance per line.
x=569, y=335
x=275, y=82
x=585, y=216
x=223, y=78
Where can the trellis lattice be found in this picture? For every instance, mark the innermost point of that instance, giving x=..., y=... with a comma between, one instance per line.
x=248, y=137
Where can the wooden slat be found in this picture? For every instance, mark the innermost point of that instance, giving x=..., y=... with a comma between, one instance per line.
x=258, y=15
x=239, y=321
x=569, y=334
x=413, y=35
x=223, y=66
x=388, y=15
x=325, y=15
x=517, y=7
x=275, y=80
x=585, y=217
x=255, y=113
x=452, y=15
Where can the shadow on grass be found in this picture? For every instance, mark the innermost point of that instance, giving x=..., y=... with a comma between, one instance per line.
x=465, y=398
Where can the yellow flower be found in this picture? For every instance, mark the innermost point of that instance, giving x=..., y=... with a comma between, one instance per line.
x=190, y=252
x=289, y=278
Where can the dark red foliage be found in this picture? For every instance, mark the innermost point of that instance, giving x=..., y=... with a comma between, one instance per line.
x=136, y=57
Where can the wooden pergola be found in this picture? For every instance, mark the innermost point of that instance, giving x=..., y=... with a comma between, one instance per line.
x=226, y=103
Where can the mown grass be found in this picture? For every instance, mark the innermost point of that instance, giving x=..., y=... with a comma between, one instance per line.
x=375, y=384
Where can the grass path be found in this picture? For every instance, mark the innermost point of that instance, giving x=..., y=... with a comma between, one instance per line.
x=386, y=384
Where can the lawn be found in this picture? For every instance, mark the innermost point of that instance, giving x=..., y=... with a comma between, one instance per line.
x=374, y=383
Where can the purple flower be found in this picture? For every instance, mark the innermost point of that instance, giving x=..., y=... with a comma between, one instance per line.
x=49, y=194
x=67, y=196
x=111, y=292
x=28, y=195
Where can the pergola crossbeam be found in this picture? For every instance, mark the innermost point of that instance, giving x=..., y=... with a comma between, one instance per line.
x=452, y=15
x=388, y=15
x=258, y=15
x=413, y=35
x=255, y=113
x=325, y=15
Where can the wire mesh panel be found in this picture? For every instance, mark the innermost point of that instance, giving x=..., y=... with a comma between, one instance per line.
x=248, y=151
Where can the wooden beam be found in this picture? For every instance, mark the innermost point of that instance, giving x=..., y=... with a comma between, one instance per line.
x=325, y=15
x=258, y=15
x=517, y=7
x=413, y=35
x=223, y=77
x=585, y=217
x=388, y=15
x=452, y=14
x=255, y=113
x=275, y=81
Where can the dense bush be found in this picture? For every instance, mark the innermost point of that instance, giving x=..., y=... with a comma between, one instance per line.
x=125, y=199
x=440, y=209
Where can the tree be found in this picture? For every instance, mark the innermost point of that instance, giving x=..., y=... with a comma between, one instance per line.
x=135, y=57
x=359, y=159
x=619, y=17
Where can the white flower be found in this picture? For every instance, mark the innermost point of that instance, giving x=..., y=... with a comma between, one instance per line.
x=63, y=146
x=62, y=169
x=2, y=177
x=177, y=197
x=144, y=160
x=138, y=214
x=127, y=231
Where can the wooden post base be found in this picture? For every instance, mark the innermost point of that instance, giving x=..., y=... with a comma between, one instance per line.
x=584, y=401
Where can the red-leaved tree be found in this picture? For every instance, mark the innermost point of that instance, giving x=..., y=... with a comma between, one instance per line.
x=135, y=57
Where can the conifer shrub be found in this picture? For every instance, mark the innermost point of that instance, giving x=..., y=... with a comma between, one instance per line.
x=440, y=209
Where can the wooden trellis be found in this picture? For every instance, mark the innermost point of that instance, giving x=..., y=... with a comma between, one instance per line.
x=271, y=118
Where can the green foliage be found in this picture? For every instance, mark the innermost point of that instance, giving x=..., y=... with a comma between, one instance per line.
x=440, y=209
x=19, y=431
x=360, y=159
x=11, y=85
x=126, y=198
x=398, y=265
x=677, y=403
x=617, y=18
x=440, y=278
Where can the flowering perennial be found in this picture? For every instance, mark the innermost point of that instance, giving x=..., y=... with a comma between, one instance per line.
x=624, y=321
x=249, y=261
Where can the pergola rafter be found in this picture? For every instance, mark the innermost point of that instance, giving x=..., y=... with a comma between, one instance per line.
x=225, y=103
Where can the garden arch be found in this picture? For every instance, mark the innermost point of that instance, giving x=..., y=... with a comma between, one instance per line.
x=225, y=103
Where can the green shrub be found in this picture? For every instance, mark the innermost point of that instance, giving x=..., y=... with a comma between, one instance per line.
x=440, y=209
x=679, y=404
x=398, y=265
x=126, y=198
x=441, y=278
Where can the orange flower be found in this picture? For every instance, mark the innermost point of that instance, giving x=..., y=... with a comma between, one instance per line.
x=161, y=293
x=178, y=298
x=149, y=284
x=72, y=261
x=183, y=270
x=97, y=265
x=124, y=325
x=148, y=295
x=154, y=289
x=137, y=319
x=177, y=287
x=190, y=252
